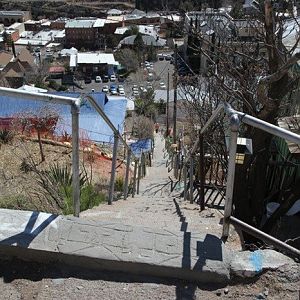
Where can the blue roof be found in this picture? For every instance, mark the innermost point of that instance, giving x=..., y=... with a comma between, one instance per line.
x=91, y=125
x=144, y=145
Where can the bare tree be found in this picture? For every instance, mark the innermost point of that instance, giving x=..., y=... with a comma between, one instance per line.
x=253, y=72
x=41, y=121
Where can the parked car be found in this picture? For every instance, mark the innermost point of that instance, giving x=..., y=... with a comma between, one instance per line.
x=105, y=89
x=121, y=78
x=105, y=78
x=120, y=87
x=150, y=77
x=87, y=80
x=122, y=93
x=168, y=57
x=149, y=86
x=161, y=57
x=162, y=85
x=142, y=89
x=98, y=79
x=113, y=89
x=135, y=93
x=113, y=77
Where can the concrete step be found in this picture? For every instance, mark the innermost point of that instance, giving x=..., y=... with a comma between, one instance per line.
x=114, y=246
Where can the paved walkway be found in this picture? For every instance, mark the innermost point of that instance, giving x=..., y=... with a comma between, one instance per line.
x=156, y=207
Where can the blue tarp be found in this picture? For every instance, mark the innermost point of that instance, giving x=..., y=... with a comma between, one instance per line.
x=92, y=126
x=144, y=145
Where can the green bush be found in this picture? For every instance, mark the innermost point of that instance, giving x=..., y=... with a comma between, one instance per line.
x=119, y=184
x=25, y=167
x=6, y=136
x=14, y=202
x=89, y=197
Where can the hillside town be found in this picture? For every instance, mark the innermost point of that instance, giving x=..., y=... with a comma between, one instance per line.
x=150, y=150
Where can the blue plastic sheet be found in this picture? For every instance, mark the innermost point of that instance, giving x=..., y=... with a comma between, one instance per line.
x=141, y=146
x=91, y=125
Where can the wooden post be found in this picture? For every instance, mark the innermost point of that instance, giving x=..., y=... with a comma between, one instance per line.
x=113, y=170
x=185, y=181
x=202, y=172
x=139, y=177
x=167, y=106
x=175, y=97
x=191, y=179
x=134, y=178
x=127, y=174
x=75, y=160
x=176, y=164
x=143, y=162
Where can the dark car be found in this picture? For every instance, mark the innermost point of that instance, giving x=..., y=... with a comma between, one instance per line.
x=87, y=80
x=105, y=78
x=121, y=78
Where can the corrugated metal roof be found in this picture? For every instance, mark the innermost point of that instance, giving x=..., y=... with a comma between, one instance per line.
x=99, y=23
x=147, y=40
x=96, y=58
x=85, y=23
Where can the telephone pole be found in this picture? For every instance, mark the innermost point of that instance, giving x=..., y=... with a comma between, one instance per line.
x=175, y=96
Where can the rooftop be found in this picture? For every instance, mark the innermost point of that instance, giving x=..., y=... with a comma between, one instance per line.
x=93, y=58
x=147, y=39
x=12, y=12
x=85, y=23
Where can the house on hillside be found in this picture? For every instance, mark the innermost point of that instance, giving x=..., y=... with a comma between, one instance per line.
x=10, y=17
x=18, y=69
x=15, y=73
x=114, y=12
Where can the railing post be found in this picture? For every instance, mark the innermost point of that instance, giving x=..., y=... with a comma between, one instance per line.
x=191, y=179
x=139, y=177
x=202, y=172
x=113, y=170
x=234, y=127
x=143, y=162
x=184, y=181
x=75, y=159
x=127, y=174
x=134, y=178
x=176, y=164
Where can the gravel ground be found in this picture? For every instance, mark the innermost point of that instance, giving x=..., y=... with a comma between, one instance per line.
x=21, y=280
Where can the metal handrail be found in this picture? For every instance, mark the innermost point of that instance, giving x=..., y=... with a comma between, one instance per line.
x=236, y=117
x=75, y=110
x=247, y=119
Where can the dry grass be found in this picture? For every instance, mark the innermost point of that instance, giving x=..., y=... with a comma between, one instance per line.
x=19, y=188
